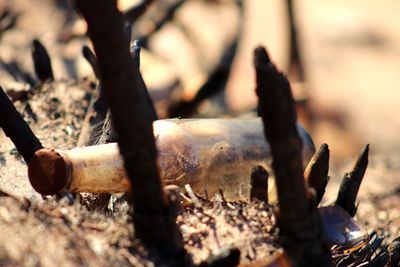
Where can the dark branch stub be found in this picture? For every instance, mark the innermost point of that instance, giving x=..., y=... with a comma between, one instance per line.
x=15, y=128
x=316, y=173
x=135, y=52
x=259, y=184
x=133, y=122
x=132, y=14
x=351, y=184
x=41, y=62
x=91, y=59
x=299, y=222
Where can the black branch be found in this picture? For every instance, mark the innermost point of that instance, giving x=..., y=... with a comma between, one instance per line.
x=316, y=173
x=41, y=62
x=15, y=128
x=299, y=222
x=351, y=184
x=133, y=122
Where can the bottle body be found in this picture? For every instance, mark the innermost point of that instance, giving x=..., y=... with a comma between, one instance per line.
x=217, y=154
x=208, y=154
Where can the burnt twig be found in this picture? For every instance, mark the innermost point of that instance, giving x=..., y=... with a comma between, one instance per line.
x=41, y=62
x=138, y=10
x=296, y=61
x=8, y=20
x=133, y=123
x=91, y=59
x=216, y=81
x=135, y=52
x=351, y=184
x=17, y=73
x=316, y=173
x=17, y=129
x=259, y=184
x=298, y=220
x=165, y=12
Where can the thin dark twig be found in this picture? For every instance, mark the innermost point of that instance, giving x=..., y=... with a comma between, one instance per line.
x=133, y=122
x=165, y=13
x=17, y=129
x=135, y=52
x=296, y=60
x=216, y=80
x=95, y=116
x=299, y=222
x=17, y=73
x=138, y=10
x=91, y=59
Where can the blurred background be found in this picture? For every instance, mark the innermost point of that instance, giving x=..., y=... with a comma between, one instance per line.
x=342, y=58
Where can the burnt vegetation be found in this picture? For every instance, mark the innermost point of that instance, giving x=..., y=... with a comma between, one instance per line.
x=154, y=224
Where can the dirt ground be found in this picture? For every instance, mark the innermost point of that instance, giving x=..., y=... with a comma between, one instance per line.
x=41, y=231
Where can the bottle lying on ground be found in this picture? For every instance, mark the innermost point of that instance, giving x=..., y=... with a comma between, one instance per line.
x=208, y=154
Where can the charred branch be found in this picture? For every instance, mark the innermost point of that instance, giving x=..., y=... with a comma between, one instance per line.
x=138, y=10
x=296, y=61
x=316, y=173
x=133, y=122
x=259, y=184
x=216, y=81
x=213, y=85
x=165, y=13
x=41, y=62
x=17, y=129
x=299, y=222
x=135, y=52
x=91, y=59
x=351, y=183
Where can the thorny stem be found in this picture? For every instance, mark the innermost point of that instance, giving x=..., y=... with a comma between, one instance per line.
x=299, y=222
x=17, y=129
x=133, y=123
